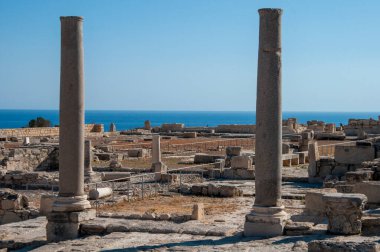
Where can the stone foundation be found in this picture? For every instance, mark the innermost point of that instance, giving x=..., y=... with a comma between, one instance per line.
x=65, y=225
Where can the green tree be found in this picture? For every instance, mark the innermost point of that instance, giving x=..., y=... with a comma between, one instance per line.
x=39, y=122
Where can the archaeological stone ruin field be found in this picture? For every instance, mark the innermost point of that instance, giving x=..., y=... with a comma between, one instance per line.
x=277, y=185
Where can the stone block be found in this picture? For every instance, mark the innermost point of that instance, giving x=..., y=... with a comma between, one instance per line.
x=137, y=152
x=298, y=228
x=81, y=216
x=201, y=158
x=233, y=151
x=314, y=203
x=243, y=162
x=359, y=176
x=198, y=212
x=61, y=231
x=344, y=212
x=46, y=204
x=371, y=226
x=286, y=148
x=345, y=188
x=353, y=154
x=371, y=189
x=189, y=135
x=265, y=222
x=10, y=217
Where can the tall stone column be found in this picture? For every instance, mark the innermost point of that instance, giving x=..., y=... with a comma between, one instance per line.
x=71, y=200
x=157, y=166
x=268, y=217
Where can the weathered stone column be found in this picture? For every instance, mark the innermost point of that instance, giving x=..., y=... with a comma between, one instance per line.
x=71, y=199
x=267, y=217
x=89, y=174
x=157, y=166
x=112, y=127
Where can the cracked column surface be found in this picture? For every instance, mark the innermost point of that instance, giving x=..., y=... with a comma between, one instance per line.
x=267, y=216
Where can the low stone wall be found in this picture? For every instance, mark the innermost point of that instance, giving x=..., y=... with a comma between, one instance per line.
x=29, y=180
x=235, y=128
x=216, y=190
x=46, y=131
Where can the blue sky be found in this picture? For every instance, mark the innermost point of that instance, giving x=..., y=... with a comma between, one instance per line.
x=192, y=54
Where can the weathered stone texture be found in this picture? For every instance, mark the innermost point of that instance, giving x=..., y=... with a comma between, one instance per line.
x=344, y=212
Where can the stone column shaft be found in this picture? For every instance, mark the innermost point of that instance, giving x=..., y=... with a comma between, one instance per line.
x=268, y=111
x=71, y=137
x=267, y=217
x=87, y=157
x=156, y=149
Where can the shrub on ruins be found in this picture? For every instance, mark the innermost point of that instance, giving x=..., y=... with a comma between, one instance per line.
x=39, y=122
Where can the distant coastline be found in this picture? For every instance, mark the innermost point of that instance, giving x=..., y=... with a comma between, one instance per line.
x=15, y=118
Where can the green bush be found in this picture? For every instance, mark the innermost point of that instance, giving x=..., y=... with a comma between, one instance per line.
x=39, y=122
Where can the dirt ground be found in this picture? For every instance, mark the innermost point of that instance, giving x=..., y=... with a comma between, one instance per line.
x=177, y=204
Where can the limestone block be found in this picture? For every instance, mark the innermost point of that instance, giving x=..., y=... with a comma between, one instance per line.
x=243, y=162
x=230, y=191
x=265, y=222
x=10, y=217
x=286, y=148
x=60, y=231
x=99, y=193
x=371, y=189
x=189, y=135
x=139, y=152
x=314, y=203
x=370, y=226
x=353, y=154
x=233, y=150
x=344, y=212
x=359, y=176
x=198, y=212
x=81, y=216
x=148, y=216
x=298, y=228
x=202, y=158
x=164, y=216
x=345, y=188
x=11, y=200
x=46, y=203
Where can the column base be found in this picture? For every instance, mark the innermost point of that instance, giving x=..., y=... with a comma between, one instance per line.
x=265, y=221
x=92, y=177
x=159, y=168
x=63, y=226
x=71, y=204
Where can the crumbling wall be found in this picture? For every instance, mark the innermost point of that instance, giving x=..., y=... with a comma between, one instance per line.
x=14, y=207
x=32, y=158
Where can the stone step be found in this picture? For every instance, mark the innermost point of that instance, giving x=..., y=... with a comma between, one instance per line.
x=101, y=226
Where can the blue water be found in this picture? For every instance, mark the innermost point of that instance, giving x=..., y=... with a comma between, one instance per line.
x=134, y=119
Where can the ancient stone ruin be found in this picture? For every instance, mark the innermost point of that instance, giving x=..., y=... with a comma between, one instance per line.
x=278, y=185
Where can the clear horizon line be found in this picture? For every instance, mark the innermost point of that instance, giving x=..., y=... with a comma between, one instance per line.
x=164, y=110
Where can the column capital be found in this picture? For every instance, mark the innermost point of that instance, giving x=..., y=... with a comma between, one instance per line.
x=71, y=18
x=270, y=11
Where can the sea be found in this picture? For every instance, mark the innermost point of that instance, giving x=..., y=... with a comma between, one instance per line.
x=133, y=119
